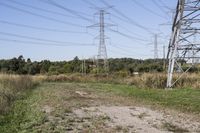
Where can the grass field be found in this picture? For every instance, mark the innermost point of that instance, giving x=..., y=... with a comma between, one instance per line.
x=181, y=99
x=54, y=107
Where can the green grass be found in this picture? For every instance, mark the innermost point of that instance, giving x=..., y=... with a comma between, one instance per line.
x=181, y=99
x=24, y=114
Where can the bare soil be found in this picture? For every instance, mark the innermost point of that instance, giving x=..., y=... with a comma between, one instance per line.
x=140, y=119
x=77, y=108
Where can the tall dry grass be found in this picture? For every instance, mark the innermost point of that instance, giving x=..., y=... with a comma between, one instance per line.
x=158, y=80
x=146, y=80
x=10, y=88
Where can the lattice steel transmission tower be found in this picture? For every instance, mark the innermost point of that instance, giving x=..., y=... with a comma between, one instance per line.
x=184, y=46
x=102, y=51
x=155, y=46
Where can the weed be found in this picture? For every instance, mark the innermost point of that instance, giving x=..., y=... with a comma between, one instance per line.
x=173, y=128
x=142, y=115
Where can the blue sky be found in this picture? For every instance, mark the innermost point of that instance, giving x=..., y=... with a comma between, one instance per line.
x=153, y=18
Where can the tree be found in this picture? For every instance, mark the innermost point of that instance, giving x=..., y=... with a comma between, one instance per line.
x=76, y=65
x=68, y=68
x=44, y=66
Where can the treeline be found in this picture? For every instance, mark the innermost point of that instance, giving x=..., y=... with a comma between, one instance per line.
x=118, y=65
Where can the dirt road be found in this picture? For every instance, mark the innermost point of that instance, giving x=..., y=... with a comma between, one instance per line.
x=70, y=107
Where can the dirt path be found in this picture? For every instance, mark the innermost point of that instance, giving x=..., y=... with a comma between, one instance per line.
x=139, y=119
x=78, y=108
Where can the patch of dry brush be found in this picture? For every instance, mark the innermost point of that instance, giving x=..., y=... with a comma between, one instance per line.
x=146, y=80
x=10, y=88
x=158, y=80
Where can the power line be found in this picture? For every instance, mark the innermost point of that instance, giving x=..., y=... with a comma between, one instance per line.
x=126, y=17
x=121, y=48
x=164, y=5
x=47, y=2
x=128, y=36
x=147, y=9
x=125, y=50
x=73, y=12
x=38, y=39
x=40, y=43
x=131, y=47
x=114, y=52
x=38, y=15
x=121, y=19
x=39, y=28
x=90, y=3
x=125, y=35
x=40, y=9
x=51, y=2
x=120, y=33
x=159, y=7
x=126, y=29
x=68, y=10
x=122, y=52
x=82, y=17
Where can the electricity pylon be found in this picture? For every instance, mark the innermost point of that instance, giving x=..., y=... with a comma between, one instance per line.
x=156, y=46
x=102, y=51
x=183, y=46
